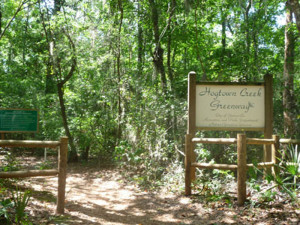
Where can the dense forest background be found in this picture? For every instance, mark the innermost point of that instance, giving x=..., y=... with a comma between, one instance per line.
x=112, y=74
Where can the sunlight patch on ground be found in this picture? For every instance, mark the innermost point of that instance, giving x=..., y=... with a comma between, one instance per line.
x=185, y=201
x=100, y=197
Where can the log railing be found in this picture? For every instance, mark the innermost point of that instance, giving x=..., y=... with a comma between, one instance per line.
x=61, y=171
x=242, y=141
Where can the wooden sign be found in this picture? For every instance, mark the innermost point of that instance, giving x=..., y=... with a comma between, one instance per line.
x=232, y=106
x=18, y=120
x=228, y=106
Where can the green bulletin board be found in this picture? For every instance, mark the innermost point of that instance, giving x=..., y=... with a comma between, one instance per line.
x=18, y=120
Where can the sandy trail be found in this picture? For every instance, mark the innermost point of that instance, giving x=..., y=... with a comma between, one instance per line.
x=102, y=196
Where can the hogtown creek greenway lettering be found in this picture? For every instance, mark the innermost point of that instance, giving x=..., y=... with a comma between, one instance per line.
x=215, y=105
x=216, y=94
x=221, y=93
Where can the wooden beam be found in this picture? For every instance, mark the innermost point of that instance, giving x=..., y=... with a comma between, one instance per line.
x=191, y=129
x=258, y=141
x=275, y=155
x=268, y=132
x=230, y=166
x=215, y=166
x=28, y=173
x=192, y=117
x=29, y=144
x=289, y=141
x=62, y=168
x=188, y=152
x=214, y=140
x=261, y=165
x=242, y=168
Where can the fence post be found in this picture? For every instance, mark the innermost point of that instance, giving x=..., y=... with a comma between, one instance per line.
x=62, y=172
x=268, y=117
x=192, y=119
x=242, y=168
x=275, y=154
x=188, y=172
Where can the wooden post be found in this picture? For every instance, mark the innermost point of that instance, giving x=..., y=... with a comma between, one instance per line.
x=268, y=116
x=275, y=154
x=192, y=118
x=188, y=151
x=190, y=156
x=62, y=169
x=242, y=168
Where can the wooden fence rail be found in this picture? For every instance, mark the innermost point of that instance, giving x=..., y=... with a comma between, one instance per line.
x=289, y=141
x=242, y=141
x=29, y=144
x=61, y=171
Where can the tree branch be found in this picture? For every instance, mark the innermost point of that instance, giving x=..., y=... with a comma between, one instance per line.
x=13, y=17
x=74, y=61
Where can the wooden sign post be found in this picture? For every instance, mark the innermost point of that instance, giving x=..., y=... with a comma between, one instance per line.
x=235, y=106
x=268, y=132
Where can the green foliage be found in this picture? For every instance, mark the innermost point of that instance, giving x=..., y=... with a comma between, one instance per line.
x=20, y=202
x=285, y=180
x=10, y=162
x=214, y=186
x=268, y=196
x=44, y=165
x=5, y=206
x=290, y=167
x=12, y=209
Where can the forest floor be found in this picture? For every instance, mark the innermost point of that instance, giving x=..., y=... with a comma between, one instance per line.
x=103, y=195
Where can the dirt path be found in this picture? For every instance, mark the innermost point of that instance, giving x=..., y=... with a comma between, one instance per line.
x=101, y=196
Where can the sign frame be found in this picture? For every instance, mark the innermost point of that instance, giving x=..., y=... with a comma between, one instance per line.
x=35, y=121
x=191, y=140
x=214, y=97
x=268, y=104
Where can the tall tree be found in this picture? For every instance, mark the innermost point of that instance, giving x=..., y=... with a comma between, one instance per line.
x=295, y=7
x=289, y=105
x=54, y=37
x=158, y=53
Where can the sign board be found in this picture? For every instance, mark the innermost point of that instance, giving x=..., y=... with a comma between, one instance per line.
x=230, y=107
x=18, y=120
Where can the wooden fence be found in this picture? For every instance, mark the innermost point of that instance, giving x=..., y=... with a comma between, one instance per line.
x=241, y=166
x=61, y=171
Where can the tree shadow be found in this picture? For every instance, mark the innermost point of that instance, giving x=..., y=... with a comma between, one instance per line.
x=103, y=196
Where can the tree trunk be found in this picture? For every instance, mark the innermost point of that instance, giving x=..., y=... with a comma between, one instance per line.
x=295, y=7
x=85, y=153
x=73, y=157
x=223, y=42
x=248, y=40
x=289, y=105
x=204, y=76
x=158, y=55
x=62, y=80
x=170, y=71
x=0, y=20
x=140, y=44
x=139, y=78
x=119, y=132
